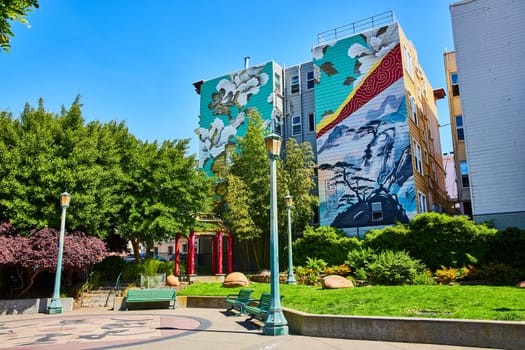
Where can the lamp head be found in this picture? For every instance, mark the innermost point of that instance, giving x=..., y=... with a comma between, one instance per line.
x=273, y=144
x=64, y=199
x=288, y=200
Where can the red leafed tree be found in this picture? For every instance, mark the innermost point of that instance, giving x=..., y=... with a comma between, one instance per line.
x=39, y=252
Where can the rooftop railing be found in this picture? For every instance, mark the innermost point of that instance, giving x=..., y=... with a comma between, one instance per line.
x=355, y=27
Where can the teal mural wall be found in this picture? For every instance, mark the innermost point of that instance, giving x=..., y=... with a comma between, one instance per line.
x=363, y=142
x=226, y=103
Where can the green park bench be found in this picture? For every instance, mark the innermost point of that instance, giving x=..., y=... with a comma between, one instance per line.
x=260, y=309
x=151, y=297
x=239, y=301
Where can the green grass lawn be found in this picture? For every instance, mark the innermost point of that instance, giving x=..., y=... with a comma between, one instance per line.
x=464, y=302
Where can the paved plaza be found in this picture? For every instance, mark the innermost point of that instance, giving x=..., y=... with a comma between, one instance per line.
x=183, y=328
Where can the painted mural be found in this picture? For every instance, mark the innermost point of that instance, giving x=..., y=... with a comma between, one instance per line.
x=226, y=105
x=363, y=142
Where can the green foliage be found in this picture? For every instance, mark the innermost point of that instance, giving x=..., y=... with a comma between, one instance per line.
x=359, y=261
x=389, y=237
x=245, y=204
x=436, y=239
x=341, y=270
x=325, y=243
x=296, y=177
x=390, y=268
x=309, y=274
x=500, y=274
x=13, y=10
x=507, y=247
x=143, y=191
x=109, y=268
x=447, y=275
x=440, y=239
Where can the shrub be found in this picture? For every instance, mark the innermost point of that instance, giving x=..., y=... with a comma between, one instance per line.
x=309, y=274
x=424, y=278
x=341, y=270
x=324, y=243
x=109, y=268
x=440, y=239
x=446, y=275
x=507, y=247
x=500, y=274
x=392, y=268
x=359, y=260
x=388, y=238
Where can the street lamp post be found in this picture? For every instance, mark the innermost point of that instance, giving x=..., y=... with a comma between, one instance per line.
x=291, y=278
x=275, y=323
x=55, y=306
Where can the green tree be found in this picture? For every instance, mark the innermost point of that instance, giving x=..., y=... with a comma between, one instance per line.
x=164, y=192
x=297, y=176
x=247, y=191
x=13, y=10
x=43, y=154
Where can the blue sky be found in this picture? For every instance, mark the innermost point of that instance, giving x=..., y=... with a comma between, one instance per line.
x=136, y=60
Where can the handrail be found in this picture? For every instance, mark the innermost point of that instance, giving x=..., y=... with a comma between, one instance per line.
x=84, y=286
x=115, y=290
x=355, y=27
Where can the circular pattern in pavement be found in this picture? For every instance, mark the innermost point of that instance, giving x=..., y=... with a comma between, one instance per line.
x=95, y=331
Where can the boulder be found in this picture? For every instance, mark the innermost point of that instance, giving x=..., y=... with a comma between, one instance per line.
x=335, y=282
x=521, y=284
x=172, y=280
x=235, y=279
x=262, y=276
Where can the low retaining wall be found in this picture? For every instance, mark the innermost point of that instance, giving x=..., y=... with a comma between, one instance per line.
x=488, y=334
x=31, y=306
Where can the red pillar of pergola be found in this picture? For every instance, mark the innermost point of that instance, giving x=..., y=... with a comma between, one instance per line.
x=176, y=259
x=213, y=255
x=230, y=253
x=219, y=257
x=191, y=253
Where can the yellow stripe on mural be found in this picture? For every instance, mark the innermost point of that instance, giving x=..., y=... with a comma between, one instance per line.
x=330, y=118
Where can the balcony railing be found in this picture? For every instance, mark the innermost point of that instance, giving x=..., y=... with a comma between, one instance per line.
x=355, y=27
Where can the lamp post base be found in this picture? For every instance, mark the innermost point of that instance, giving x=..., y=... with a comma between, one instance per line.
x=291, y=279
x=275, y=324
x=55, y=307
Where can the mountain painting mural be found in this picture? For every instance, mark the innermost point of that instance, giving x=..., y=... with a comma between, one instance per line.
x=365, y=168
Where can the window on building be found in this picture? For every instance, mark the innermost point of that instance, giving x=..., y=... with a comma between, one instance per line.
x=413, y=108
x=311, y=122
x=464, y=173
x=294, y=82
x=310, y=80
x=459, y=128
x=296, y=125
x=377, y=211
x=455, y=83
x=277, y=78
x=408, y=62
x=418, y=157
x=422, y=199
x=170, y=250
x=278, y=126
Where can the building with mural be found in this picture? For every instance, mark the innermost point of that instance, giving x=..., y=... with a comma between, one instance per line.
x=367, y=108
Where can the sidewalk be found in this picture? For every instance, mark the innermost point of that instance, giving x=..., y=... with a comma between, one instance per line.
x=184, y=328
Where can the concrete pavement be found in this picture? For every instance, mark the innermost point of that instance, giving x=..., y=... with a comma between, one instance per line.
x=183, y=328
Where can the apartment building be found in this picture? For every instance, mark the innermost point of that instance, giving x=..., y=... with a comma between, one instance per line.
x=367, y=108
x=460, y=163
x=489, y=52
